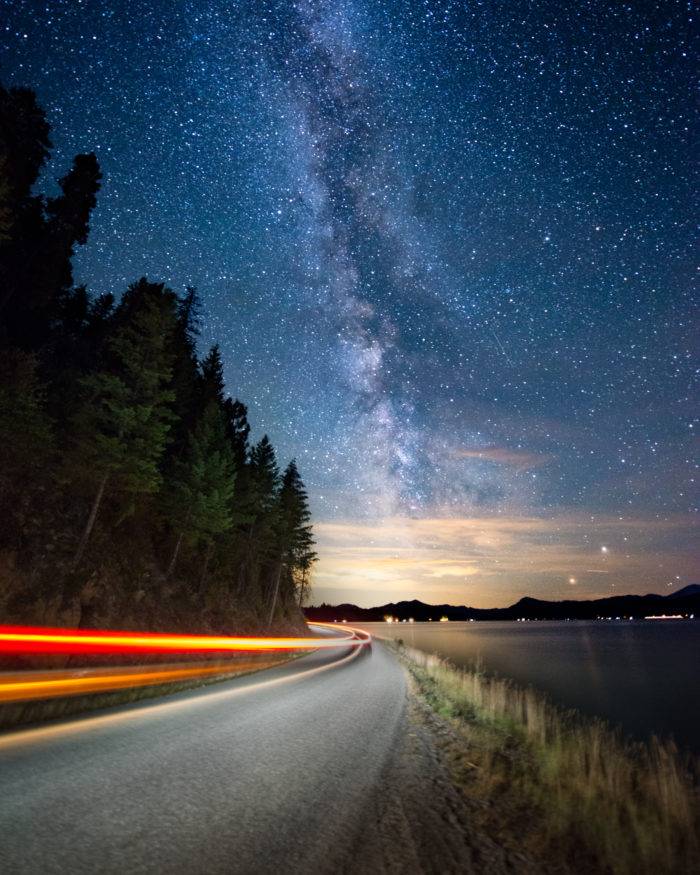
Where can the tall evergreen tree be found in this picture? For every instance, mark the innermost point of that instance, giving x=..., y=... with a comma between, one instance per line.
x=122, y=428
x=26, y=432
x=202, y=487
x=257, y=508
x=6, y=215
x=24, y=142
x=237, y=431
x=24, y=149
x=213, y=386
x=294, y=536
x=185, y=380
x=67, y=225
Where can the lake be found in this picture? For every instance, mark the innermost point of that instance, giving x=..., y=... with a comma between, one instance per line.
x=642, y=676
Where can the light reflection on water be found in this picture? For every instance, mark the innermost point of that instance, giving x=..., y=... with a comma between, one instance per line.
x=644, y=676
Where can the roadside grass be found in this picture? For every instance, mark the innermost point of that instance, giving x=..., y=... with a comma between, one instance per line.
x=567, y=790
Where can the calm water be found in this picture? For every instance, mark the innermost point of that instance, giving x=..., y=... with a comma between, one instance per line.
x=644, y=676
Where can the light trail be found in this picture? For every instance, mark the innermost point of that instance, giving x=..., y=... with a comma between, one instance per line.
x=23, y=738
x=31, y=685
x=37, y=639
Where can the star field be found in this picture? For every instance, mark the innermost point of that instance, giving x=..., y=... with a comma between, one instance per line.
x=446, y=248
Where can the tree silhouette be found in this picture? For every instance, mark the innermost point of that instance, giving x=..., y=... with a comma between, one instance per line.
x=202, y=487
x=122, y=427
x=294, y=536
x=111, y=426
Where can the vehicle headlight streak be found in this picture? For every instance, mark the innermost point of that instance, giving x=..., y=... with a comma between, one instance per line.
x=28, y=685
x=34, y=639
x=45, y=684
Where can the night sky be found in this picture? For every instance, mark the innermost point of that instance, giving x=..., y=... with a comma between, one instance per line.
x=446, y=250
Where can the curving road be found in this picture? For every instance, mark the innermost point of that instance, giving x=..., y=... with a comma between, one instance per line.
x=275, y=772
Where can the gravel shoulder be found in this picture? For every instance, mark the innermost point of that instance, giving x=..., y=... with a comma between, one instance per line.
x=422, y=821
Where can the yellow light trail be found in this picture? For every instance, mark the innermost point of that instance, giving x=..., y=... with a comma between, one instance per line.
x=29, y=685
x=31, y=639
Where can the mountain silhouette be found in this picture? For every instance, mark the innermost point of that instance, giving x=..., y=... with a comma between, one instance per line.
x=684, y=601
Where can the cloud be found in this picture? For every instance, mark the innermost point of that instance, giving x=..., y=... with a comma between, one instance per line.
x=521, y=459
x=494, y=560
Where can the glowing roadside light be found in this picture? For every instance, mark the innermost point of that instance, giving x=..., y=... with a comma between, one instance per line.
x=389, y=619
x=444, y=619
x=31, y=639
x=665, y=617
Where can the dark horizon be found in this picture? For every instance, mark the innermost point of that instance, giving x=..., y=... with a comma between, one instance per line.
x=686, y=598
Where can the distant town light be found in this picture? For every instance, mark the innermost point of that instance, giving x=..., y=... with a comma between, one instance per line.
x=665, y=617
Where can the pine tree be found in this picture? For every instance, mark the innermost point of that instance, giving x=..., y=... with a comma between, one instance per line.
x=201, y=492
x=185, y=380
x=38, y=237
x=67, y=225
x=79, y=330
x=237, y=431
x=6, y=214
x=212, y=386
x=294, y=536
x=257, y=507
x=24, y=141
x=122, y=427
x=24, y=149
x=26, y=433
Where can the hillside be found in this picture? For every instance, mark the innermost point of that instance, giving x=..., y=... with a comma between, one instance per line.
x=683, y=601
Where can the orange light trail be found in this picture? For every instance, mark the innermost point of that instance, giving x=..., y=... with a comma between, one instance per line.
x=47, y=684
x=28, y=685
x=34, y=639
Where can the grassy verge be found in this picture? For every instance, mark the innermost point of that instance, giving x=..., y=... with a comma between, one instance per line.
x=569, y=791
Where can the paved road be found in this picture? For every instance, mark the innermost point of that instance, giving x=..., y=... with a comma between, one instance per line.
x=269, y=773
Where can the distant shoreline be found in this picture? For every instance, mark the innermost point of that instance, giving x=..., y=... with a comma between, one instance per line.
x=684, y=603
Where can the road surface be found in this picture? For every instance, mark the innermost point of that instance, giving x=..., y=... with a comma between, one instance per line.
x=275, y=772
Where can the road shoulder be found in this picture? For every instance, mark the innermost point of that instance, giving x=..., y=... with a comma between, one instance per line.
x=423, y=821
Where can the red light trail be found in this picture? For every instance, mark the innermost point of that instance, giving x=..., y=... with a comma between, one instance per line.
x=37, y=639
x=43, y=684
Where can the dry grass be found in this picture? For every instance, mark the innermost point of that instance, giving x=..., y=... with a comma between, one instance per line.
x=562, y=787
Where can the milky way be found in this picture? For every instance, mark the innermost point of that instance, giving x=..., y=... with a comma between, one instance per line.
x=446, y=249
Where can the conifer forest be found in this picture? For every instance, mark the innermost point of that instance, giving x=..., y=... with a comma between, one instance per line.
x=131, y=494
